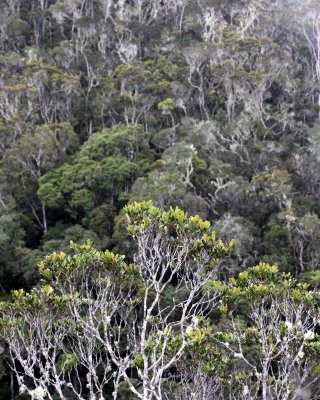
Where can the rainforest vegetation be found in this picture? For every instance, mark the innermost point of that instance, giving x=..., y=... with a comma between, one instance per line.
x=116, y=115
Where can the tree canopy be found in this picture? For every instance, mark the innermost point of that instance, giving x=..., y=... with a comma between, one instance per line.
x=162, y=326
x=212, y=106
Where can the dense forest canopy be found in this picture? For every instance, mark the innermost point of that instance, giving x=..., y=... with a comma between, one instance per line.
x=212, y=106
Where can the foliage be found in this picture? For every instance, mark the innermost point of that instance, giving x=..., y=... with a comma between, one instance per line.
x=94, y=310
x=211, y=106
x=112, y=324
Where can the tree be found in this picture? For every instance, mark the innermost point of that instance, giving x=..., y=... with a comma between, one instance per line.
x=100, y=173
x=311, y=30
x=94, y=310
x=11, y=237
x=272, y=334
x=169, y=182
x=305, y=234
x=30, y=157
x=226, y=97
x=97, y=322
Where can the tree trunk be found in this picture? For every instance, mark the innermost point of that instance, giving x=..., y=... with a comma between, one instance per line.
x=11, y=385
x=44, y=218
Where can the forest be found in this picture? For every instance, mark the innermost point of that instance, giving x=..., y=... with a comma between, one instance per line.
x=159, y=199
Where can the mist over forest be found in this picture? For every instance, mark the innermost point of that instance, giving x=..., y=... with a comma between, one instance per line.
x=211, y=110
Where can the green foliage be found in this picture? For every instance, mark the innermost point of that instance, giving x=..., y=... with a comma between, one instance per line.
x=11, y=238
x=279, y=309
x=312, y=278
x=166, y=105
x=38, y=151
x=85, y=258
x=103, y=170
x=272, y=315
x=215, y=112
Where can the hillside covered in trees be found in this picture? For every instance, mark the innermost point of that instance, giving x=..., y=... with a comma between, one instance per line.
x=209, y=105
